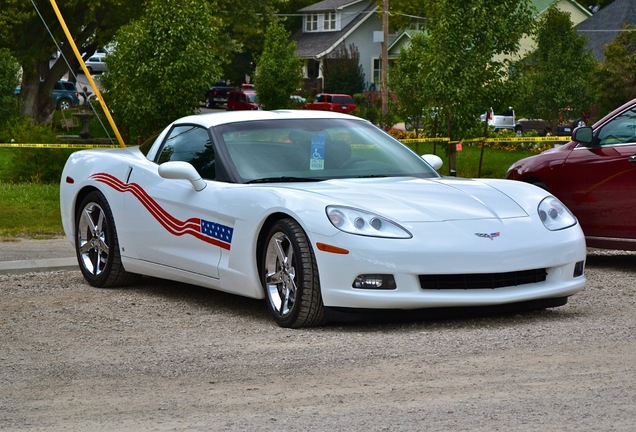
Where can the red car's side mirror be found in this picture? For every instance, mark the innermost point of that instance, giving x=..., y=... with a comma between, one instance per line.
x=583, y=135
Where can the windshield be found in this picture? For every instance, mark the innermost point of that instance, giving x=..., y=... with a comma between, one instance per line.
x=316, y=149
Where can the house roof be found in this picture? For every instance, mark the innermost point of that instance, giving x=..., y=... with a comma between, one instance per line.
x=329, y=5
x=603, y=27
x=319, y=44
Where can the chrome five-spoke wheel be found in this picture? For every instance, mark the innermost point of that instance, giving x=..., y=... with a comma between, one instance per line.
x=96, y=244
x=290, y=277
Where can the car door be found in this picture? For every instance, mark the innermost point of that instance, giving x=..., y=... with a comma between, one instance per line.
x=177, y=226
x=599, y=183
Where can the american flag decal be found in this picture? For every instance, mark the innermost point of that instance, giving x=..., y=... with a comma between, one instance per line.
x=217, y=231
x=208, y=231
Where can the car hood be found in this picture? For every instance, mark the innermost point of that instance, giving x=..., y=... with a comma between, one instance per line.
x=420, y=200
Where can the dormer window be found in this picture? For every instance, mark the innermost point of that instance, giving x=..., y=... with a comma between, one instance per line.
x=329, y=20
x=311, y=23
x=326, y=21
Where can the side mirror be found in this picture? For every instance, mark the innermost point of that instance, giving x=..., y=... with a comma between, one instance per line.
x=433, y=160
x=182, y=171
x=583, y=135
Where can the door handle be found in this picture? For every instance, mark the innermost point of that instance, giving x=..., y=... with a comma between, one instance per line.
x=632, y=159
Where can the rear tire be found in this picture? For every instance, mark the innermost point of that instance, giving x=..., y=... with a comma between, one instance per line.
x=289, y=276
x=64, y=104
x=97, y=245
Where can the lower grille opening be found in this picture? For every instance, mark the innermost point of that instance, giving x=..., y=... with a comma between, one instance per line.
x=482, y=280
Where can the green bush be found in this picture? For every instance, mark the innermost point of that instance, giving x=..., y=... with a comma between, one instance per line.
x=35, y=165
x=8, y=80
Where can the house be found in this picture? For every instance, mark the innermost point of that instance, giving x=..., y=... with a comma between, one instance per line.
x=330, y=23
x=603, y=27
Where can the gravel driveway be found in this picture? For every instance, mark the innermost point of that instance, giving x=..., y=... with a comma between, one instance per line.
x=165, y=356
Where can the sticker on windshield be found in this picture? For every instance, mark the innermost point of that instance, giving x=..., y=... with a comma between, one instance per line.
x=317, y=159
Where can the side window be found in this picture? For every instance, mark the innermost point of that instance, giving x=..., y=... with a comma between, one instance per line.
x=191, y=144
x=620, y=130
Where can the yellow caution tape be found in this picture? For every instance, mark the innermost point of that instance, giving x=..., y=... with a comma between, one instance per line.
x=58, y=146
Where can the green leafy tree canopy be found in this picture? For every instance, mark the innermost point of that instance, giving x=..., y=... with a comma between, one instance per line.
x=560, y=70
x=342, y=71
x=616, y=76
x=161, y=62
x=278, y=72
x=9, y=69
x=460, y=75
x=33, y=34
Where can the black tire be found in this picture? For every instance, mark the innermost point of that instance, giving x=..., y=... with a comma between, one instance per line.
x=289, y=276
x=97, y=246
x=519, y=131
x=209, y=103
x=64, y=104
x=90, y=70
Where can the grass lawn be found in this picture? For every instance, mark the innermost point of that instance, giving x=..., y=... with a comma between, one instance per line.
x=30, y=210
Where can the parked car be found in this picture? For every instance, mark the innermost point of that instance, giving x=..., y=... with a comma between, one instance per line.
x=96, y=64
x=566, y=128
x=319, y=213
x=595, y=176
x=241, y=100
x=540, y=126
x=65, y=94
x=217, y=94
x=332, y=102
x=501, y=119
x=544, y=127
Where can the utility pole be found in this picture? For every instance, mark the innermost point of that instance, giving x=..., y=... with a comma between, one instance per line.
x=385, y=59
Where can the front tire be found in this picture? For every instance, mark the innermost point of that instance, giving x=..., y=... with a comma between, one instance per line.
x=289, y=274
x=97, y=246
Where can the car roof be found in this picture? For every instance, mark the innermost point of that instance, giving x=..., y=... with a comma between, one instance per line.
x=219, y=118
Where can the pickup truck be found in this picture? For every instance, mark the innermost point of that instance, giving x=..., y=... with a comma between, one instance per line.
x=332, y=102
x=217, y=94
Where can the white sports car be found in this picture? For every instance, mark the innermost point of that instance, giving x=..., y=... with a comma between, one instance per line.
x=319, y=213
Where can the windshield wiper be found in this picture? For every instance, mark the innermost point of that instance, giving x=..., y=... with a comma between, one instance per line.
x=372, y=176
x=284, y=179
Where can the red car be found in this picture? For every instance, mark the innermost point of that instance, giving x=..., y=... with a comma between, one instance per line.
x=241, y=100
x=332, y=102
x=594, y=175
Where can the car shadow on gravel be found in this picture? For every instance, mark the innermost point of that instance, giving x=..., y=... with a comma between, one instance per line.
x=616, y=260
x=202, y=297
x=255, y=310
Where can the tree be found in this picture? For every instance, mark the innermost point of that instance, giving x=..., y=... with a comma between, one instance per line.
x=278, y=73
x=91, y=23
x=559, y=71
x=8, y=81
x=342, y=71
x=459, y=71
x=615, y=78
x=161, y=62
x=407, y=81
x=245, y=21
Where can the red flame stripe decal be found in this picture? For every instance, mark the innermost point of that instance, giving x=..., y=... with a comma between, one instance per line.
x=173, y=225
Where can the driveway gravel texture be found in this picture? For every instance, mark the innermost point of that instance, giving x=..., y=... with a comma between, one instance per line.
x=164, y=356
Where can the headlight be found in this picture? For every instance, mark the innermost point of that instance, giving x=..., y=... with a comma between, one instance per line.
x=360, y=222
x=554, y=215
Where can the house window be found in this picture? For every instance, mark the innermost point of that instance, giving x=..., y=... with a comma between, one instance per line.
x=329, y=21
x=377, y=72
x=311, y=23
